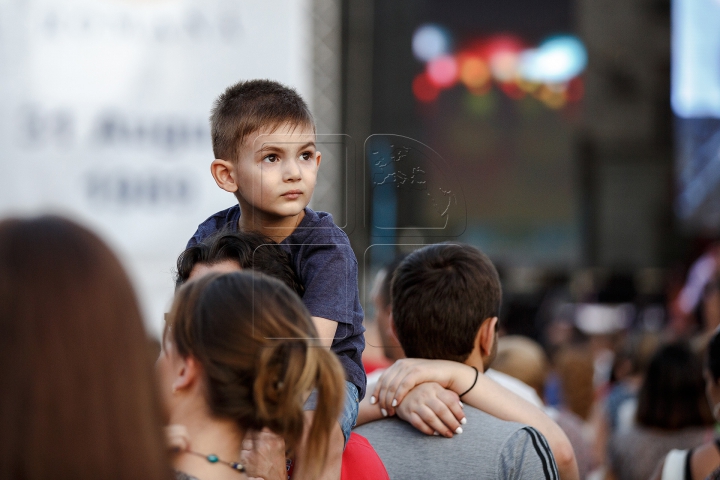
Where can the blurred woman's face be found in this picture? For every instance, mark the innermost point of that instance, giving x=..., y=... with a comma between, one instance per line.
x=166, y=366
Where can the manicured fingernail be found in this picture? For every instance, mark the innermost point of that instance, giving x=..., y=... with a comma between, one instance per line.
x=462, y=405
x=373, y=400
x=463, y=421
x=394, y=403
x=436, y=434
x=459, y=430
x=384, y=412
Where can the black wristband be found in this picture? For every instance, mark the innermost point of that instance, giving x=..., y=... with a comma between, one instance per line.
x=477, y=374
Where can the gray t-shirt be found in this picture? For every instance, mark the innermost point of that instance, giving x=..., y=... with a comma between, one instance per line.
x=488, y=448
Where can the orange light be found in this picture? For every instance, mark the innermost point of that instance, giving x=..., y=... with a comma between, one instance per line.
x=423, y=89
x=474, y=73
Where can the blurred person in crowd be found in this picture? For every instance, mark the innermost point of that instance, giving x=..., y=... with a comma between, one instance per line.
x=380, y=296
x=615, y=412
x=78, y=395
x=445, y=300
x=699, y=462
x=573, y=365
x=708, y=313
x=686, y=301
x=524, y=359
x=234, y=251
x=671, y=413
x=238, y=356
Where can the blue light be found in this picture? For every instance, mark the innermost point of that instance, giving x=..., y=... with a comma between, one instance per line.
x=557, y=60
x=430, y=41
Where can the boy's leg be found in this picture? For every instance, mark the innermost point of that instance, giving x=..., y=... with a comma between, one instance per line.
x=339, y=436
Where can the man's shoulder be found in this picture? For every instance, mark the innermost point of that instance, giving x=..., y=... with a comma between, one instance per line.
x=484, y=447
x=478, y=428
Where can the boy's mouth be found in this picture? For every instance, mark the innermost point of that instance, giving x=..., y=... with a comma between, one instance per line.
x=292, y=194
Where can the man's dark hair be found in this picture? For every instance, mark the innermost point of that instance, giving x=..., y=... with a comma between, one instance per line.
x=250, y=105
x=441, y=294
x=250, y=250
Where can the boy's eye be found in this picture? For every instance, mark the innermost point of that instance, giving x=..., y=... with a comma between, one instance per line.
x=306, y=155
x=272, y=158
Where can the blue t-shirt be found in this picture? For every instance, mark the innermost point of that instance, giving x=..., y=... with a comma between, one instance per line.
x=327, y=268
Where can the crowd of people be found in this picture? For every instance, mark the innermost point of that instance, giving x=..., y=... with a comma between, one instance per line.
x=260, y=370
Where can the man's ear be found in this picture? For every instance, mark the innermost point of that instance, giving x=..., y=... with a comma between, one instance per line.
x=486, y=336
x=223, y=172
x=188, y=374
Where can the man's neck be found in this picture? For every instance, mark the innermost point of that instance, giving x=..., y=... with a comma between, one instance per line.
x=476, y=360
x=276, y=228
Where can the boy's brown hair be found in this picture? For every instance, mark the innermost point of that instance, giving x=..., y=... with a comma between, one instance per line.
x=250, y=105
x=441, y=295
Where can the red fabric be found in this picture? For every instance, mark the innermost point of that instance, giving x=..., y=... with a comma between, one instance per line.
x=375, y=364
x=360, y=461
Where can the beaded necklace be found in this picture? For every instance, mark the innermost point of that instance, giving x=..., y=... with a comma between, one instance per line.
x=212, y=458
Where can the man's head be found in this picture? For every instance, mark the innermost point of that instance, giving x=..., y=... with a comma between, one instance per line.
x=228, y=251
x=263, y=137
x=383, y=311
x=445, y=303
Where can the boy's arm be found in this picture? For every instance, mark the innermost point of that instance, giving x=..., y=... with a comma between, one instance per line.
x=486, y=395
x=326, y=330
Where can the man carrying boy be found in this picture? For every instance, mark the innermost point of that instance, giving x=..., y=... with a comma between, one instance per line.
x=263, y=137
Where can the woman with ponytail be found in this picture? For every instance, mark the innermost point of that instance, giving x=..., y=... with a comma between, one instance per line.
x=237, y=357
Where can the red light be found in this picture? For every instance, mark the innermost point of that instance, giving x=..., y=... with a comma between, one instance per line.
x=443, y=71
x=575, y=89
x=512, y=90
x=424, y=89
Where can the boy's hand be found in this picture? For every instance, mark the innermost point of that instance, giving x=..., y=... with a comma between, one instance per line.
x=263, y=455
x=433, y=410
x=403, y=375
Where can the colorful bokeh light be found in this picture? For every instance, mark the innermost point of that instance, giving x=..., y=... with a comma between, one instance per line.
x=549, y=72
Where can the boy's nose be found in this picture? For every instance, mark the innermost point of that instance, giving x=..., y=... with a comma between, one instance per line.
x=291, y=171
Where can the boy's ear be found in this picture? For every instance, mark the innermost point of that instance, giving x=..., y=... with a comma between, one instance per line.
x=318, y=158
x=223, y=172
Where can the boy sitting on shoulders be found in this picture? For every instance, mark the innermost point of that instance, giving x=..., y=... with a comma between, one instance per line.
x=263, y=137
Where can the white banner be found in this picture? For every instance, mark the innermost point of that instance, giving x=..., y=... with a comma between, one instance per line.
x=104, y=109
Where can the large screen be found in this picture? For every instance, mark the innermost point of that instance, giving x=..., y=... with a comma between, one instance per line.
x=695, y=100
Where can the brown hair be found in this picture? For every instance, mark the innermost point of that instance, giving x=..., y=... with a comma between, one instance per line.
x=575, y=368
x=441, y=294
x=251, y=334
x=672, y=395
x=78, y=392
x=250, y=105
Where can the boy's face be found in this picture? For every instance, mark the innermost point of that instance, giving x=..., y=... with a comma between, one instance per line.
x=276, y=171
